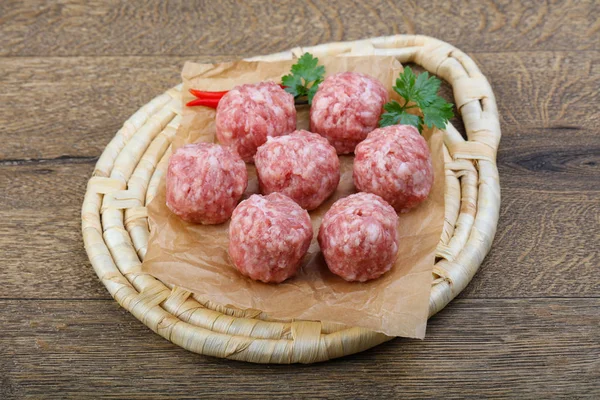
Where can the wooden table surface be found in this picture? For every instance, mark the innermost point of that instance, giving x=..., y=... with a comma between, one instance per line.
x=526, y=326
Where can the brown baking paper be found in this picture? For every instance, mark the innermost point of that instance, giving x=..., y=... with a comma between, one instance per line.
x=195, y=257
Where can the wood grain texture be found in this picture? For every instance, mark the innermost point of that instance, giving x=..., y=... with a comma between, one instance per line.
x=547, y=244
x=39, y=28
x=74, y=105
x=527, y=326
x=481, y=348
x=43, y=201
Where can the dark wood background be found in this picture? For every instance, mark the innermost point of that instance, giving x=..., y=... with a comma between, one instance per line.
x=72, y=72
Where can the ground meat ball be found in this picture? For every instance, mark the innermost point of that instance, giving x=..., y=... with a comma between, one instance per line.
x=358, y=237
x=346, y=108
x=268, y=236
x=394, y=162
x=248, y=114
x=204, y=183
x=302, y=165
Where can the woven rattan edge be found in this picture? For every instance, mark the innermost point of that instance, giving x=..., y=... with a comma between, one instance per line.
x=115, y=228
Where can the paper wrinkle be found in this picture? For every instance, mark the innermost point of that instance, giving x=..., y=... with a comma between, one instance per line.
x=195, y=257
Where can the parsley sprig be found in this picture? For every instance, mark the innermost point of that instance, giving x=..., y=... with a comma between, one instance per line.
x=422, y=91
x=305, y=77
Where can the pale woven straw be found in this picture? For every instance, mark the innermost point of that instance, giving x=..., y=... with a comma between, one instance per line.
x=115, y=226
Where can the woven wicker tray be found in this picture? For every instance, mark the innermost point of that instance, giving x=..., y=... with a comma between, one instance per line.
x=126, y=177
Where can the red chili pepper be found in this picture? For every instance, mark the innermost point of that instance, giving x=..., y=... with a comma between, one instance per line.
x=213, y=103
x=209, y=99
x=205, y=95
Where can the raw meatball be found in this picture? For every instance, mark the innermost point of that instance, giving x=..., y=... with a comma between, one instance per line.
x=204, y=183
x=358, y=237
x=302, y=165
x=268, y=236
x=346, y=108
x=394, y=162
x=248, y=114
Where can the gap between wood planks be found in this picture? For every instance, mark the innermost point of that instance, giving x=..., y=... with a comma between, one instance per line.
x=57, y=160
x=240, y=56
x=475, y=299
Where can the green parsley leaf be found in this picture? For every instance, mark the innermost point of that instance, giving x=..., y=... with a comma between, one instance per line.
x=405, y=84
x=422, y=91
x=426, y=89
x=293, y=84
x=395, y=114
x=437, y=113
x=411, y=119
x=305, y=77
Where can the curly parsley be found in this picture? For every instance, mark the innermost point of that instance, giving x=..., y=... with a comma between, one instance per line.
x=422, y=91
x=305, y=77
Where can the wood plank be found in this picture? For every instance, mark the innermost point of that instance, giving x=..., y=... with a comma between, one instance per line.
x=40, y=233
x=43, y=256
x=542, y=348
x=545, y=89
x=547, y=242
x=64, y=337
x=551, y=160
x=38, y=28
x=72, y=107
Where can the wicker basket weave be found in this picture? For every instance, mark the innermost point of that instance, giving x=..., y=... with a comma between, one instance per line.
x=126, y=177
